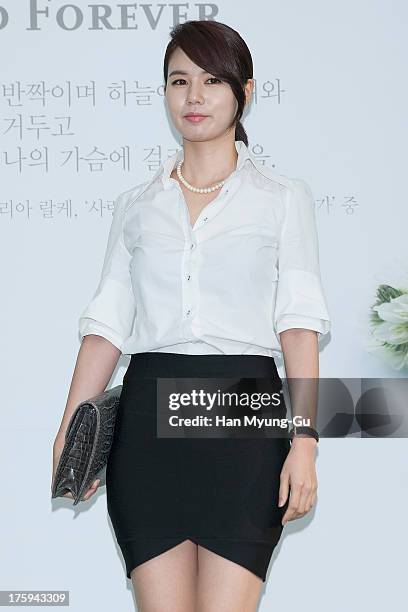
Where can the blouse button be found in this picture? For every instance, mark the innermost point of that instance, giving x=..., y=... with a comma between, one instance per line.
x=192, y=246
x=188, y=312
x=188, y=277
x=205, y=218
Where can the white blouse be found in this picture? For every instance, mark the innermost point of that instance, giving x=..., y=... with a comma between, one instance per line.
x=247, y=270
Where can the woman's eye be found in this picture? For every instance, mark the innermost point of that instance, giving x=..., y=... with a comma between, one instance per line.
x=210, y=79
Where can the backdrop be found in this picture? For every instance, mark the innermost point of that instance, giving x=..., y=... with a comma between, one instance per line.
x=83, y=119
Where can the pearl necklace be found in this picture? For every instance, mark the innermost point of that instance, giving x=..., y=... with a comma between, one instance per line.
x=191, y=187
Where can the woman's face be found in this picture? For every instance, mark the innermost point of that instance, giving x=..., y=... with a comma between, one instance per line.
x=197, y=92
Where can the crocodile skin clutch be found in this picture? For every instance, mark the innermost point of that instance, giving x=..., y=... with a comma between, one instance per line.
x=88, y=440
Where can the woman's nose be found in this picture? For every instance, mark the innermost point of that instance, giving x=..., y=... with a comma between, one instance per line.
x=194, y=94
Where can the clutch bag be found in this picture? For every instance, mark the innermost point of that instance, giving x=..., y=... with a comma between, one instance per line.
x=88, y=440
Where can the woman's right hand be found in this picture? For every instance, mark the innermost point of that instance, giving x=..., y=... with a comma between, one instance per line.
x=56, y=454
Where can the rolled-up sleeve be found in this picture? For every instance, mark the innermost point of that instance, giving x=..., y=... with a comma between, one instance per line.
x=300, y=299
x=111, y=311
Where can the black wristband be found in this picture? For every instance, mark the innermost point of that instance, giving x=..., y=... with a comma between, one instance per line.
x=310, y=431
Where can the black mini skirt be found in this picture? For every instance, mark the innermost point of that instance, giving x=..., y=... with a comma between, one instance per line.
x=221, y=493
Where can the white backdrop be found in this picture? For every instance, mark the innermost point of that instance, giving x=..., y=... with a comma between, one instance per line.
x=83, y=119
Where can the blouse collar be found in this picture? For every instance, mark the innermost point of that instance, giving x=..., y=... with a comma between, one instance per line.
x=169, y=164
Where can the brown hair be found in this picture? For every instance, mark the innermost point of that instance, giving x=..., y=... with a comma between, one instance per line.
x=220, y=50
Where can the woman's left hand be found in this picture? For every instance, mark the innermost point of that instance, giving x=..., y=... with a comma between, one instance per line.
x=298, y=472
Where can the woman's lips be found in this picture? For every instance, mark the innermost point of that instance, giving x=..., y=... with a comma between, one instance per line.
x=195, y=118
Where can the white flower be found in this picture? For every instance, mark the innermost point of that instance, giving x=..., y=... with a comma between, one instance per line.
x=394, y=326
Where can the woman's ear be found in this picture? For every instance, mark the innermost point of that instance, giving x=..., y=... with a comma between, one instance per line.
x=249, y=87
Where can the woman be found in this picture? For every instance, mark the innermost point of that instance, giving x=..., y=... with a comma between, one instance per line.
x=211, y=270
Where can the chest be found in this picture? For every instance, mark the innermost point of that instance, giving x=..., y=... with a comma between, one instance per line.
x=238, y=242
x=242, y=219
x=195, y=202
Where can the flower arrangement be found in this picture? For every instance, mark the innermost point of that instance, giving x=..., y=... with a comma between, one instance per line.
x=389, y=324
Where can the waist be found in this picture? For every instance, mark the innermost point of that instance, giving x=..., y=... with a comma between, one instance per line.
x=161, y=364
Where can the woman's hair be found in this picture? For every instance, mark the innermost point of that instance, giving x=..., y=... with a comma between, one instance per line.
x=220, y=50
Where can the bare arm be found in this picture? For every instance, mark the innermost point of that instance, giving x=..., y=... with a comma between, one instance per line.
x=300, y=353
x=96, y=361
x=301, y=357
